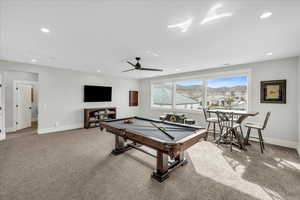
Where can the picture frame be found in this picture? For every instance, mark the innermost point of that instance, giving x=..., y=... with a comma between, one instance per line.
x=273, y=91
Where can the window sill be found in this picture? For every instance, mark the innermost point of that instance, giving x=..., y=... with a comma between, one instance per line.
x=176, y=110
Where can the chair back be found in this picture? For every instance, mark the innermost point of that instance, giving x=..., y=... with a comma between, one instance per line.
x=266, y=120
x=205, y=114
x=226, y=120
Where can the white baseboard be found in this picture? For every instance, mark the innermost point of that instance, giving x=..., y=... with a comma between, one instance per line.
x=59, y=128
x=10, y=129
x=2, y=137
x=283, y=143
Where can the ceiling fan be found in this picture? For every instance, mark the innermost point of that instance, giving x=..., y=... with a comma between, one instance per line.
x=138, y=66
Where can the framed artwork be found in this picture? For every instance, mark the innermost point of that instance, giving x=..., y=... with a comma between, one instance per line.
x=273, y=91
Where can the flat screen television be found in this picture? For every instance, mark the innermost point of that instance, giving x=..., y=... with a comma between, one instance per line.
x=97, y=93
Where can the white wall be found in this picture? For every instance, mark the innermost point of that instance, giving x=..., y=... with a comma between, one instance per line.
x=299, y=106
x=8, y=78
x=61, y=95
x=283, y=125
x=2, y=115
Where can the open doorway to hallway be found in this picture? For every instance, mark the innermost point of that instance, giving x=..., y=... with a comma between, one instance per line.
x=21, y=103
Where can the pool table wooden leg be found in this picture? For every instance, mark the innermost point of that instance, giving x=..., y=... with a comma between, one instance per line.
x=162, y=167
x=181, y=158
x=120, y=145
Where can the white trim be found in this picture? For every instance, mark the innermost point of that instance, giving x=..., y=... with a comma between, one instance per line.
x=205, y=94
x=10, y=129
x=2, y=137
x=279, y=142
x=173, y=95
x=176, y=110
x=204, y=76
x=249, y=90
x=59, y=128
x=15, y=83
x=2, y=104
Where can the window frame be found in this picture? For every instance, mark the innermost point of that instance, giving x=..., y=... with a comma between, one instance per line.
x=151, y=92
x=174, y=93
x=204, y=78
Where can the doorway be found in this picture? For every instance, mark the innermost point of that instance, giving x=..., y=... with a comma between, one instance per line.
x=25, y=106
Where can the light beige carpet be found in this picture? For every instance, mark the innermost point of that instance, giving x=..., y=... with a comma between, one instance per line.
x=77, y=165
x=21, y=133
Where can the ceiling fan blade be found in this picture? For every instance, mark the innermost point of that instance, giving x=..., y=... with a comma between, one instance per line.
x=130, y=63
x=151, y=69
x=128, y=70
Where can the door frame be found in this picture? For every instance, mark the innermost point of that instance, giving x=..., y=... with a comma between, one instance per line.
x=2, y=104
x=15, y=111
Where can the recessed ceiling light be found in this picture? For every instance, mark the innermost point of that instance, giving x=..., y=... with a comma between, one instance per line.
x=33, y=60
x=269, y=54
x=98, y=70
x=265, y=15
x=177, y=70
x=45, y=30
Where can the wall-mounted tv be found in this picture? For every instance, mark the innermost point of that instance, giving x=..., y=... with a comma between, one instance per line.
x=97, y=93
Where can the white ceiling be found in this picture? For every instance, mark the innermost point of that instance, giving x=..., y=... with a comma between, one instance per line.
x=90, y=35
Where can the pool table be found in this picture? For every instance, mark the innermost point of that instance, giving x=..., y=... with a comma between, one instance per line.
x=170, y=140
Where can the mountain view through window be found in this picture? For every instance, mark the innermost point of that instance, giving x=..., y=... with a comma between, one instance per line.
x=225, y=93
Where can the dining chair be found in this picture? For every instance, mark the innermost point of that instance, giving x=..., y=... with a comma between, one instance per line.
x=259, y=127
x=238, y=119
x=228, y=123
x=209, y=120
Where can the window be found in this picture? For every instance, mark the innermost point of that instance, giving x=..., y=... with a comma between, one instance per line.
x=192, y=95
x=227, y=93
x=189, y=95
x=162, y=95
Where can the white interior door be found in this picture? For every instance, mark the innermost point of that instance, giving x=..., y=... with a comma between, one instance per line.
x=23, y=106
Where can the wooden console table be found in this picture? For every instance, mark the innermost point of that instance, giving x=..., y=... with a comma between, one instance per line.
x=93, y=116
